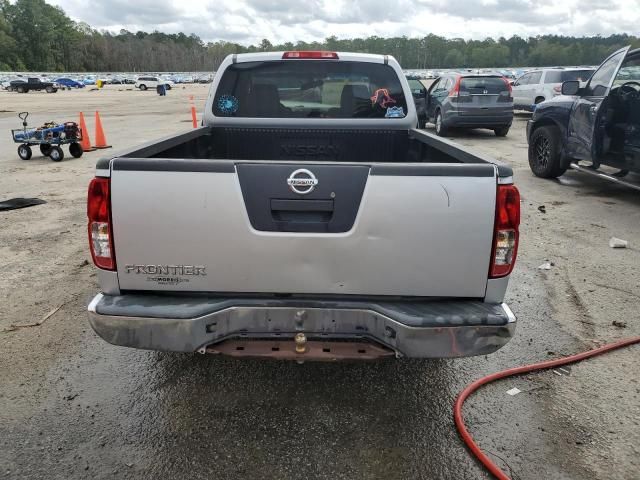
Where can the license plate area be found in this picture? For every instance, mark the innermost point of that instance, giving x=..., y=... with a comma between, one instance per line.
x=312, y=350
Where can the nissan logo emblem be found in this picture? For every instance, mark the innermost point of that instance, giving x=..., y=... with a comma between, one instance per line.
x=302, y=181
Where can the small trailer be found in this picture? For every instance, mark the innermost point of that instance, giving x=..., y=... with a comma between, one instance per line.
x=50, y=137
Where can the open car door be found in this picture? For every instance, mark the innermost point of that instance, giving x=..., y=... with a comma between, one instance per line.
x=583, y=120
x=430, y=102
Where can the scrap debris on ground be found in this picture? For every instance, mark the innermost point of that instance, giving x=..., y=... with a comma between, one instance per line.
x=16, y=203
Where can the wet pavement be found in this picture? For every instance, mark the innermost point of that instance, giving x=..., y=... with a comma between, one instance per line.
x=155, y=415
x=74, y=407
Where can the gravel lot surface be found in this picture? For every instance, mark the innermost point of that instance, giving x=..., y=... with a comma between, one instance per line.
x=73, y=406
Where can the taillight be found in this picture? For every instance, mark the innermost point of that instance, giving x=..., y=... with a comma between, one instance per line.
x=455, y=91
x=506, y=82
x=505, y=233
x=315, y=54
x=100, y=231
x=505, y=95
x=557, y=89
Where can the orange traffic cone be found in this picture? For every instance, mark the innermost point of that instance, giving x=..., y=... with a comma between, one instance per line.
x=101, y=140
x=85, y=143
x=194, y=118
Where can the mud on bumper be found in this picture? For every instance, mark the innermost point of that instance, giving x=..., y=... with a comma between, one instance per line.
x=419, y=329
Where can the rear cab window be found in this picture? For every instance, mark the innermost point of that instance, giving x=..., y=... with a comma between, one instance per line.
x=309, y=89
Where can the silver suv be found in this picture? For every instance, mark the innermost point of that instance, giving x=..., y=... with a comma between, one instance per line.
x=537, y=86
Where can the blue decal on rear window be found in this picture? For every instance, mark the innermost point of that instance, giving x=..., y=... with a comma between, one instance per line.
x=228, y=104
x=394, y=112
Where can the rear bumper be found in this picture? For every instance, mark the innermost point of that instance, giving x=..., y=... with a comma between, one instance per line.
x=461, y=119
x=418, y=329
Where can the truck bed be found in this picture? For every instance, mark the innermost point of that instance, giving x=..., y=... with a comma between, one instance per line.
x=310, y=145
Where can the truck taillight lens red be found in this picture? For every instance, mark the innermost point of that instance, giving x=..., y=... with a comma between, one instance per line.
x=100, y=231
x=505, y=238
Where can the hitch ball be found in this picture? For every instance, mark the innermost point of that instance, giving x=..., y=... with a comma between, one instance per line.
x=301, y=342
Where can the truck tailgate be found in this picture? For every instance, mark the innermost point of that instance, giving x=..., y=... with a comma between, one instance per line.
x=237, y=226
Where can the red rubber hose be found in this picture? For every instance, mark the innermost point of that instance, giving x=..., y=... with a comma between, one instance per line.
x=457, y=409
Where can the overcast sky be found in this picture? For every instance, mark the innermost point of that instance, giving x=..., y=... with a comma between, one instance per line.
x=249, y=21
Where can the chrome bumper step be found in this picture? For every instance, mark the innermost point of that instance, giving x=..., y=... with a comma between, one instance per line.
x=412, y=329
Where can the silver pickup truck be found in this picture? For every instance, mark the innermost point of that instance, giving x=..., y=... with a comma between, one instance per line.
x=307, y=219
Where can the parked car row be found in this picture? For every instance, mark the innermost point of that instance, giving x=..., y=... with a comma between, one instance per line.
x=80, y=81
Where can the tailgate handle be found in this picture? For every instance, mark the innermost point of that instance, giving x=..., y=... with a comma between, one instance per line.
x=301, y=205
x=302, y=215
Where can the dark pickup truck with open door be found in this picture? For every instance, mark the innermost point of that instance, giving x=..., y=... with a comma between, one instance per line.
x=598, y=123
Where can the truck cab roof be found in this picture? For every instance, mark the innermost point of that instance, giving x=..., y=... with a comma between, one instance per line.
x=339, y=56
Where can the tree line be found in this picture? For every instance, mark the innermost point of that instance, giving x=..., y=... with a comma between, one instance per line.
x=36, y=36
